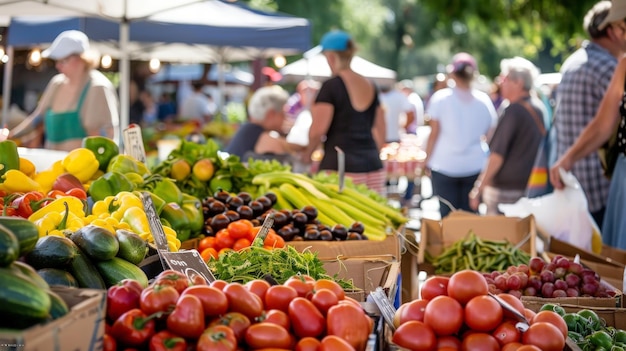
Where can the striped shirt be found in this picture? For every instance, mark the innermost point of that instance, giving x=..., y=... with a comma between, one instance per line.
x=585, y=77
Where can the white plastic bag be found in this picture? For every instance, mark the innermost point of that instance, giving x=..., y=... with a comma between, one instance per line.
x=563, y=214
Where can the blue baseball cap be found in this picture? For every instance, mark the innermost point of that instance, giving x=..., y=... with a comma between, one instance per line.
x=335, y=41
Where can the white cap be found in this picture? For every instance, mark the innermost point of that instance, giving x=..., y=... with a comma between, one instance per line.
x=70, y=42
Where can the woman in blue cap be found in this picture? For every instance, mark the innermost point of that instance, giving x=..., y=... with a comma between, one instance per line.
x=347, y=114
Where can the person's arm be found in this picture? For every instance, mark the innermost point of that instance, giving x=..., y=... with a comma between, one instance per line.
x=435, y=128
x=43, y=104
x=322, y=115
x=494, y=163
x=379, y=129
x=410, y=118
x=598, y=131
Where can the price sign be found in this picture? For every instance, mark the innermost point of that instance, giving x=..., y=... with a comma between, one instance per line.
x=384, y=305
x=190, y=263
x=265, y=228
x=156, y=228
x=133, y=143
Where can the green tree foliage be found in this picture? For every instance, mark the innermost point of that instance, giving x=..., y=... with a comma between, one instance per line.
x=418, y=37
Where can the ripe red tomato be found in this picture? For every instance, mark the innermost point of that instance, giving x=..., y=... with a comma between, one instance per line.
x=262, y=335
x=466, y=284
x=274, y=241
x=483, y=313
x=514, y=346
x=448, y=342
x=241, y=244
x=514, y=302
x=480, y=342
x=308, y=344
x=258, y=287
x=528, y=348
x=177, y=279
x=552, y=318
x=279, y=297
x=306, y=319
x=277, y=317
x=242, y=300
x=507, y=333
x=158, y=298
x=236, y=321
x=334, y=343
x=239, y=229
x=412, y=311
x=217, y=338
x=206, y=242
x=219, y=284
x=416, y=336
x=330, y=285
x=324, y=299
x=223, y=240
x=545, y=336
x=444, y=315
x=434, y=286
x=529, y=314
x=214, y=301
x=303, y=286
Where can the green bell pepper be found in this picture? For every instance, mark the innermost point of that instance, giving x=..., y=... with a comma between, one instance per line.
x=9, y=158
x=193, y=209
x=177, y=218
x=125, y=164
x=104, y=149
x=109, y=184
x=167, y=189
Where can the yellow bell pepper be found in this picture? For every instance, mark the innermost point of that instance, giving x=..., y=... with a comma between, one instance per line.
x=102, y=208
x=81, y=163
x=27, y=167
x=15, y=181
x=59, y=223
x=46, y=178
x=102, y=223
x=136, y=218
x=75, y=205
x=125, y=200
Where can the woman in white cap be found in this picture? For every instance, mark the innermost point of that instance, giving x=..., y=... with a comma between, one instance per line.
x=79, y=101
x=347, y=115
x=461, y=117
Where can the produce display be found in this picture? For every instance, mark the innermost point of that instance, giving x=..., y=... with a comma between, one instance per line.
x=174, y=313
x=589, y=331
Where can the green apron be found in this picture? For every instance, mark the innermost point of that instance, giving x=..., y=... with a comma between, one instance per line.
x=67, y=125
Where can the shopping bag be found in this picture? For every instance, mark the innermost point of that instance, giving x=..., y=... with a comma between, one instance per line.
x=539, y=181
x=562, y=214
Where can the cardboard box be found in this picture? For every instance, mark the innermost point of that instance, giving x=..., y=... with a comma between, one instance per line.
x=566, y=249
x=80, y=330
x=366, y=273
x=408, y=269
x=438, y=235
x=330, y=250
x=614, y=254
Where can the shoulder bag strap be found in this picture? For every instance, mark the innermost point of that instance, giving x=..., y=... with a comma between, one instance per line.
x=538, y=121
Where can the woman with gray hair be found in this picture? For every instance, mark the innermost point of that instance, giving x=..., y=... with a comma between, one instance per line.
x=79, y=101
x=514, y=143
x=261, y=134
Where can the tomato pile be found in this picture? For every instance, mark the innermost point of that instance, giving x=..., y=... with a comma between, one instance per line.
x=237, y=235
x=456, y=313
x=174, y=313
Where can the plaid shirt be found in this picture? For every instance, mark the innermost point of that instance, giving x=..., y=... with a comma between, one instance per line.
x=585, y=77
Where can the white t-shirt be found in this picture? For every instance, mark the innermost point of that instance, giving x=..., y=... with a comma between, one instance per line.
x=195, y=107
x=395, y=104
x=465, y=118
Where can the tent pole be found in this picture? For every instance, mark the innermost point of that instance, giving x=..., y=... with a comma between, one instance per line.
x=7, y=86
x=124, y=80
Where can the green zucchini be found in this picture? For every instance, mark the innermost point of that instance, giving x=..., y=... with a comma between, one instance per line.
x=116, y=269
x=97, y=242
x=9, y=247
x=85, y=272
x=55, y=276
x=132, y=247
x=58, y=307
x=51, y=252
x=30, y=273
x=22, y=303
x=25, y=231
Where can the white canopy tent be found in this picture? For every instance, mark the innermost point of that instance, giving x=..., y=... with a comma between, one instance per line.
x=317, y=68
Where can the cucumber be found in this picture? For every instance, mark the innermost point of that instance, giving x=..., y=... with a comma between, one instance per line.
x=55, y=276
x=132, y=247
x=97, y=242
x=51, y=252
x=9, y=247
x=58, y=307
x=25, y=231
x=22, y=303
x=85, y=272
x=30, y=273
x=116, y=269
